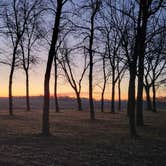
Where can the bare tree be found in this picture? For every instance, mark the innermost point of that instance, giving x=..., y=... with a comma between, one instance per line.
x=51, y=55
x=154, y=67
x=95, y=6
x=66, y=64
x=148, y=9
x=112, y=38
x=33, y=34
x=105, y=79
x=88, y=11
x=15, y=17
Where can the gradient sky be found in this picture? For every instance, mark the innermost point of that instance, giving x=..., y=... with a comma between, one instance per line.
x=64, y=89
x=36, y=84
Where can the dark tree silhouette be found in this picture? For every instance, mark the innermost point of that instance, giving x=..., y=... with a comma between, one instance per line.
x=33, y=34
x=15, y=17
x=66, y=64
x=51, y=55
x=95, y=6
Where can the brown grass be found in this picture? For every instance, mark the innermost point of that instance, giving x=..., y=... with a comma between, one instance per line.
x=78, y=141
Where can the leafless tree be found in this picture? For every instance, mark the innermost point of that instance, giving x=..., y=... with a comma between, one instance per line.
x=88, y=11
x=51, y=55
x=155, y=66
x=33, y=34
x=66, y=64
x=15, y=17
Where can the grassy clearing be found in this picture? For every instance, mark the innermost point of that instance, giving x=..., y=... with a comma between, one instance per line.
x=78, y=141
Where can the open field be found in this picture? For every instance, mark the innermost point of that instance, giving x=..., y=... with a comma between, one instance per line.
x=77, y=141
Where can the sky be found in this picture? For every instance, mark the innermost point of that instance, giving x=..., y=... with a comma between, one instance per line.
x=37, y=80
x=64, y=89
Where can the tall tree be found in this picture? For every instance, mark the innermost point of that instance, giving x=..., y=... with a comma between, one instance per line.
x=15, y=17
x=33, y=34
x=51, y=55
x=148, y=9
x=95, y=6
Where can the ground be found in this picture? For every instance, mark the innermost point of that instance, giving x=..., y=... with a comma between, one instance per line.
x=77, y=141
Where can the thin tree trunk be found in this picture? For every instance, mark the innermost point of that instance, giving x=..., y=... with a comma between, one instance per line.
x=102, y=97
x=139, y=112
x=10, y=91
x=55, y=86
x=92, y=113
x=102, y=102
x=148, y=100
x=79, y=102
x=119, y=95
x=113, y=98
x=104, y=85
x=154, y=98
x=91, y=104
x=27, y=91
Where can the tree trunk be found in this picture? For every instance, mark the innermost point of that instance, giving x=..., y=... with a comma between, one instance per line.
x=139, y=115
x=11, y=78
x=27, y=91
x=102, y=102
x=91, y=38
x=10, y=91
x=113, y=98
x=131, y=102
x=119, y=95
x=148, y=100
x=92, y=113
x=141, y=54
x=45, y=124
x=45, y=117
x=79, y=102
x=104, y=86
x=55, y=86
x=102, y=98
x=154, y=98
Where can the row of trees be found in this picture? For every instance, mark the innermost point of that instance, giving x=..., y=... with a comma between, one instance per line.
x=120, y=37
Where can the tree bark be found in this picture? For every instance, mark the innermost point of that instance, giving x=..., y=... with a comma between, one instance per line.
x=91, y=38
x=131, y=102
x=154, y=98
x=113, y=97
x=45, y=117
x=55, y=86
x=102, y=98
x=119, y=95
x=11, y=79
x=141, y=54
x=148, y=100
x=79, y=102
x=139, y=113
x=10, y=91
x=104, y=85
x=27, y=91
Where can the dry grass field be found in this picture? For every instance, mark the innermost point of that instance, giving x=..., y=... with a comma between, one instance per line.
x=77, y=141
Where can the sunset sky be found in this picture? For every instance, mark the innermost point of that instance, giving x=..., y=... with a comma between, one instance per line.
x=37, y=79
x=64, y=89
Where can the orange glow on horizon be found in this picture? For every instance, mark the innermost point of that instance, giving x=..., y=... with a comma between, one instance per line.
x=96, y=95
